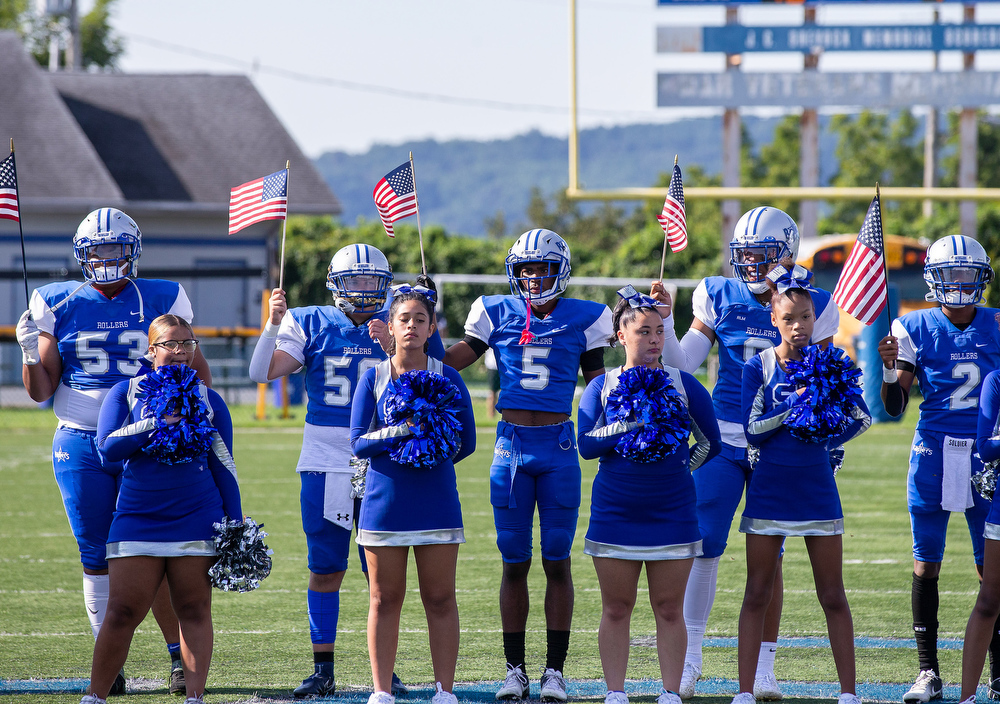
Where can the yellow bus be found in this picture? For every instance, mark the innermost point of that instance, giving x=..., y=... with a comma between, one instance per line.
x=904, y=257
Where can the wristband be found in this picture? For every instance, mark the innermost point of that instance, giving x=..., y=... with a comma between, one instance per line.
x=270, y=329
x=889, y=376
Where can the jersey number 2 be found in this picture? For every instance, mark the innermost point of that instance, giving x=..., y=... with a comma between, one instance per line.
x=960, y=398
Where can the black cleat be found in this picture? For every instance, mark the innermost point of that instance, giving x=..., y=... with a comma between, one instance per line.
x=118, y=688
x=315, y=685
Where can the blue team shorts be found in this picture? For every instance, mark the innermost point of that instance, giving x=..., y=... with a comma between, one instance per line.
x=89, y=487
x=719, y=484
x=546, y=470
x=928, y=521
x=329, y=545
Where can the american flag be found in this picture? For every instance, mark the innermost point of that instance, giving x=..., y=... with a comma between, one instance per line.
x=672, y=219
x=8, y=191
x=255, y=201
x=862, y=288
x=395, y=196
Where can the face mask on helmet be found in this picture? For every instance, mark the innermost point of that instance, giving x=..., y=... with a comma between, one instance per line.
x=538, y=266
x=359, y=276
x=957, y=271
x=761, y=239
x=107, y=245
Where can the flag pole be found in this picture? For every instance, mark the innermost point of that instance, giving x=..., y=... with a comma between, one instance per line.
x=284, y=223
x=663, y=259
x=416, y=203
x=20, y=227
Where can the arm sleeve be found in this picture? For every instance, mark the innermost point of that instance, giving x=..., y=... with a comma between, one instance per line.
x=592, y=360
x=465, y=415
x=220, y=459
x=704, y=426
x=116, y=438
x=757, y=424
x=477, y=346
x=687, y=354
x=988, y=430
x=182, y=305
x=263, y=351
x=594, y=437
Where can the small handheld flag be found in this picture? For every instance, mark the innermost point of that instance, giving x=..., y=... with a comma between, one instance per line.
x=862, y=290
x=255, y=201
x=672, y=218
x=8, y=190
x=396, y=196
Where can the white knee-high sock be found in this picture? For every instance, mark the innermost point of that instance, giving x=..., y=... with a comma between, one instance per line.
x=95, y=598
x=698, y=599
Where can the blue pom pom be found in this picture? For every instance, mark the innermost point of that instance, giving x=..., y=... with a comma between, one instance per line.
x=833, y=387
x=430, y=404
x=172, y=390
x=648, y=396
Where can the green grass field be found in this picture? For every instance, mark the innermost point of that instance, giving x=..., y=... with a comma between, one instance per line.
x=262, y=639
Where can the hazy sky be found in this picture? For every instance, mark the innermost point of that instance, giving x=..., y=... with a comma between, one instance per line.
x=346, y=74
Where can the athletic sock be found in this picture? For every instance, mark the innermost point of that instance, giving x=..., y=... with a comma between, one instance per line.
x=174, y=649
x=95, y=598
x=995, y=654
x=323, y=663
x=557, y=645
x=698, y=599
x=324, y=611
x=513, y=649
x=765, y=659
x=924, y=602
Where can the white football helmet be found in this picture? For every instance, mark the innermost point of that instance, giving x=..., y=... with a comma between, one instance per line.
x=107, y=246
x=762, y=237
x=359, y=277
x=957, y=271
x=538, y=246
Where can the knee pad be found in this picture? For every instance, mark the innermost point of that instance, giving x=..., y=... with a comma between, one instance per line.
x=557, y=543
x=515, y=546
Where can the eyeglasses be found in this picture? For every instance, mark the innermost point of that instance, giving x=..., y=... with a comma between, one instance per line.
x=174, y=345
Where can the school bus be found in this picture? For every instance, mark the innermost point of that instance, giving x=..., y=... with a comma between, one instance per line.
x=904, y=257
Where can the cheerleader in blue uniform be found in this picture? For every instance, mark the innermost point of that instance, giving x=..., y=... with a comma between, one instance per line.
x=643, y=503
x=981, y=628
x=786, y=499
x=167, y=505
x=408, y=503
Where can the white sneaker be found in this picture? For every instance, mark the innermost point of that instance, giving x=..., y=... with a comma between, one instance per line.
x=927, y=687
x=848, y=698
x=515, y=685
x=381, y=698
x=553, y=685
x=616, y=698
x=92, y=699
x=744, y=698
x=668, y=697
x=765, y=687
x=443, y=697
x=969, y=700
x=688, y=678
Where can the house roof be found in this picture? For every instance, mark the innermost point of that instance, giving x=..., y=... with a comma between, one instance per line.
x=146, y=138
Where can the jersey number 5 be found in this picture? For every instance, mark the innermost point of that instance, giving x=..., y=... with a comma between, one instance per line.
x=340, y=384
x=535, y=376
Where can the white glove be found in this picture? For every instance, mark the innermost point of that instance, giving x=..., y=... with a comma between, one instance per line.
x=27, y=337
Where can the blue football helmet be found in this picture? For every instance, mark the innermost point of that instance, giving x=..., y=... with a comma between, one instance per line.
x=539, y=246
x=957, y=271
x=107, y=246
x=359, y=277
x=762, y=238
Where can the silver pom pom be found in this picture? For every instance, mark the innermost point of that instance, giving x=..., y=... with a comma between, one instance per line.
x=360, y=468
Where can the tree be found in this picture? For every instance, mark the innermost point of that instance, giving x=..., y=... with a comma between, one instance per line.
x=101, y=47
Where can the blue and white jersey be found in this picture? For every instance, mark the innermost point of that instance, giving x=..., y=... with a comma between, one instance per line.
x=950, y=365
x=335, y=353
x=742, y=326
x=100, y=339
x=541, y=375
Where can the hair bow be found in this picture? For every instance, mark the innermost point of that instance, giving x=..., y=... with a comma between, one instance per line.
x=636, y=299
x=784, y=279
x=428, y=293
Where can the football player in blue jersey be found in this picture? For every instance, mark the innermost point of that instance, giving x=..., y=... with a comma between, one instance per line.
x=335, y=344
x=736, y=313
x=949, y=350
x=78, y=340
x=540, y=340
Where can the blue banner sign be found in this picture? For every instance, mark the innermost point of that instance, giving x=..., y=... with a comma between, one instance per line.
x=736, y=39
x=814, y=89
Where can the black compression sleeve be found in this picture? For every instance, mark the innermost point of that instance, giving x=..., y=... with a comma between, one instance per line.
x=893, y=399
x=477, y=345
x=592, y=360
